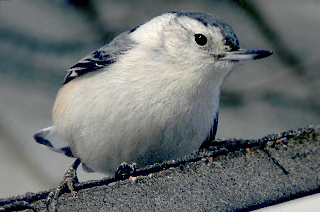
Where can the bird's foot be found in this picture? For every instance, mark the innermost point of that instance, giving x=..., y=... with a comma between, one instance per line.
x=125, y=170
x=69, y=179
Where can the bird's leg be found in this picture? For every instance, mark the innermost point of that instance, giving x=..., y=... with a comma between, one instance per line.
x=69, y=178
x=125, y=170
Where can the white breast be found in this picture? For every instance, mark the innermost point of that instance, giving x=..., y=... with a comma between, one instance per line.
x=141, y=115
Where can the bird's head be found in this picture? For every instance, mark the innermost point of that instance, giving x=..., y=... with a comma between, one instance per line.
x=193, y=39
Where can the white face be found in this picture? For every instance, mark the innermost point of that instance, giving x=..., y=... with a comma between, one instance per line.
x=183, y=40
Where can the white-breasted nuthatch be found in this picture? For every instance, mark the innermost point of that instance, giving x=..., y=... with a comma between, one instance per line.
x=150, y=95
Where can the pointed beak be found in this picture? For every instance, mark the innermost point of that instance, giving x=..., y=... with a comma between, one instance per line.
x=243, y=54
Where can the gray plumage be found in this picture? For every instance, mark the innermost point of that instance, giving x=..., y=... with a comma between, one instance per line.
x=101, y=58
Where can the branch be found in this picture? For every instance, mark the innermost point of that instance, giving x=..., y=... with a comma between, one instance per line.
x=230, y=175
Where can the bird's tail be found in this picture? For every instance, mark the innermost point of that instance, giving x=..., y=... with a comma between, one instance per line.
x=50, y=138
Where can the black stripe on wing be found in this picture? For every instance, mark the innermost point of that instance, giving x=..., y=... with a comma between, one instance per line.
x=212, y=134
x=91, y=64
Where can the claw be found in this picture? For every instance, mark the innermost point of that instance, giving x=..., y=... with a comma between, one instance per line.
x=69, y=179
x=125, y=170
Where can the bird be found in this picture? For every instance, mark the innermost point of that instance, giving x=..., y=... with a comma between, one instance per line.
x=150, y=95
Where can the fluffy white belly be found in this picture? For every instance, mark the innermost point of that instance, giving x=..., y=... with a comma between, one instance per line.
x=124, y=124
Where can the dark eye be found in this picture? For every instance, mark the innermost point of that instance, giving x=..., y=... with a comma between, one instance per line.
x=200, y=39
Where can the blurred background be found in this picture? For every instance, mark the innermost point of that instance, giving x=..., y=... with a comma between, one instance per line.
x=41, y=39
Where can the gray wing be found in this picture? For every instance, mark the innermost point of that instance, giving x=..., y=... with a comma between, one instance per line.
x=101, y=58
x=212, y=134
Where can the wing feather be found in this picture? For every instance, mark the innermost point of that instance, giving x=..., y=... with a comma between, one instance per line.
x=212, y=134
x=101, y=58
